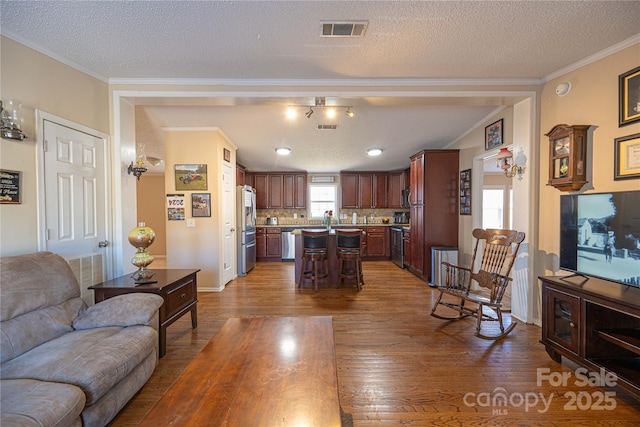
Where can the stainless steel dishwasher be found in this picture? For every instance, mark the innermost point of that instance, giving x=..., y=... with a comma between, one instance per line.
x=288, y=244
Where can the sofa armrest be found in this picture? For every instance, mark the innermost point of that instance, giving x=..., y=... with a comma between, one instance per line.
x=122, y=310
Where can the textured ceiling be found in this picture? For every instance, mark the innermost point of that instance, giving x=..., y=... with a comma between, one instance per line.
x=249, y=41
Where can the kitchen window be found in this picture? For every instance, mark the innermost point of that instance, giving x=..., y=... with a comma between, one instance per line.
x=322, y=198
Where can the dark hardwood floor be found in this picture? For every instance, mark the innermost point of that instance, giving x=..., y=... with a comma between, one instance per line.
x=397, y=365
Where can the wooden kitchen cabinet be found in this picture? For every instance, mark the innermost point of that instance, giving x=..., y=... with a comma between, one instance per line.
x=280, y=190
x=268, y=244
x=378, y=243
x=295, y=191
x=269, y=190
x=373, y=190
x=434, y=176
x=349, y=183
x=364, y=190
x=406, y=245
x=240, y=174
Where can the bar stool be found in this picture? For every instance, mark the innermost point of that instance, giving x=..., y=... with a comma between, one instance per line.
x=349, y=251
x=314, y=253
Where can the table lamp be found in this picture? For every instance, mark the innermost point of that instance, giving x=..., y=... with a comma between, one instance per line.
x=141, y=238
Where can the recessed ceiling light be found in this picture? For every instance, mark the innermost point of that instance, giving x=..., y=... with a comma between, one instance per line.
x=291, y=113
x=374, y=151
x=331, y=113
x=283, y=151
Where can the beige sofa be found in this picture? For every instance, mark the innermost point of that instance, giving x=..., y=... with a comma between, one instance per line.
x=61, y=363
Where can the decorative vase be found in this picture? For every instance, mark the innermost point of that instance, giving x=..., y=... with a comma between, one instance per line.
x=141, y=238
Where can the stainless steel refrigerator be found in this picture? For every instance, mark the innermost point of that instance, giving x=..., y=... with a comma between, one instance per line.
x=246, y=211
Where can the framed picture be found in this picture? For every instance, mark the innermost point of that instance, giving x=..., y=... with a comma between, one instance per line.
x=10, y=186
x=465, y=192
x=493, y=135
x=627, y=157
x=191, y=177
x=200, y=205
x=629, y=97
x=226, y=154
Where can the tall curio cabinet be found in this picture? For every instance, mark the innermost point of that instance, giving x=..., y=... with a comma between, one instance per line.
x=434, y=202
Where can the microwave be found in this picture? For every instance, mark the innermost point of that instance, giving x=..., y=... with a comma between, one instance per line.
x=404, y=202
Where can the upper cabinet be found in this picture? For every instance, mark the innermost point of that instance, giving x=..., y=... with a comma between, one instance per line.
x=269, y=188
x=350, y=185
x=240, y=174
x=364, y=190
x=280, y=190
x=295, y=190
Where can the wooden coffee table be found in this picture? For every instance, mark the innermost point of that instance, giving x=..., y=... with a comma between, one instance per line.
x=178, y=288
x=267, y=371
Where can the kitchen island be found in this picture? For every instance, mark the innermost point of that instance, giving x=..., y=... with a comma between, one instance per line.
x=332, y=257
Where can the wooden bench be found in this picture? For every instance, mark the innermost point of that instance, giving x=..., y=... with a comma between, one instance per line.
x=267, y=371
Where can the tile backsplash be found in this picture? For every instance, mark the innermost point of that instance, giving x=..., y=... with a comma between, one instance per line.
x=286, y=216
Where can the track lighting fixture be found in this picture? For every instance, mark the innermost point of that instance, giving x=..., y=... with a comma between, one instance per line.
x=330, y=109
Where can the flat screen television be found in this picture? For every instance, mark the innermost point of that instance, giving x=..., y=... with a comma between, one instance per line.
x=600, y=235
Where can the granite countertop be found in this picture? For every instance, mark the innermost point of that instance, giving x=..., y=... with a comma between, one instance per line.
x=320, y=225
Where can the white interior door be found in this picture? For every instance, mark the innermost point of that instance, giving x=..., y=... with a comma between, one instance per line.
x=75, y=201
x=228, y=232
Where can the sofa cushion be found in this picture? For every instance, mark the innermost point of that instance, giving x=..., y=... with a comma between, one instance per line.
x=27, y=331
x=28, y=403
x=33, y=281
x=92, y=359
x=121, y=310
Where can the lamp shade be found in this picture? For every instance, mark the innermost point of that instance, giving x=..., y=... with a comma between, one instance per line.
x=141, y=236
x=505, y=154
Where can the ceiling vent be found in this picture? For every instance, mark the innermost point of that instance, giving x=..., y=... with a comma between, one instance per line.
x=327, y=127
x=344, y=29
x=323, y=179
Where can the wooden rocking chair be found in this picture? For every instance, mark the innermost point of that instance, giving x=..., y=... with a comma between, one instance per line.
x=498, y=246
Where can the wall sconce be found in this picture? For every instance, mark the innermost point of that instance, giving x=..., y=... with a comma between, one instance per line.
x=506, y=163
x=11, y=120
x=138, y=168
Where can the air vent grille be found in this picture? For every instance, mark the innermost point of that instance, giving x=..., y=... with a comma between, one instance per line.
x=327, y=127
x=324, y=179
x=344, y=29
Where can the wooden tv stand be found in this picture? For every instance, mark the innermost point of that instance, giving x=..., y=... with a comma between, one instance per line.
x=595, y=323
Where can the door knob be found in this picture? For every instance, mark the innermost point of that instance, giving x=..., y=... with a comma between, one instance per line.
x=103, y=244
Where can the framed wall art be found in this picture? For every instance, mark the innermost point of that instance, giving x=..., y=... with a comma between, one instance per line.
x=465, y=192
x=226, y=154
x=627, y=157
x=629, y=97
x=493, y=135
x=191, y=177
x=200, y=205
x=10, y=186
